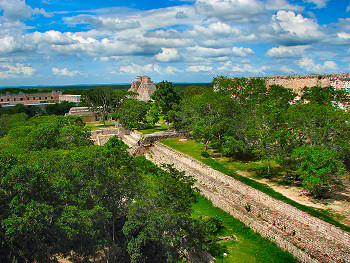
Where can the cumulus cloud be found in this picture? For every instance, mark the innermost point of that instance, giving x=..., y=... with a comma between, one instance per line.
x=309, y=65
x=287, y=70
x=139, y=69
x=11, y=44
x=285, y=52
x=105, y=23
x=290, y=29
x=318, y=3
x=249, y=69
x=168, y=55
x=17, y=9
x=172, y=70
x=231, y=10
x=242, y=52
x=198, y=51
x=199, y=68
x=15, y=71
x=66, y=72
x=246, y=68
x=51, y=37
x=282, y=5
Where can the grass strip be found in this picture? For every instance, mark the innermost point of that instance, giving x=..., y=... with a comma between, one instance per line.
x=245, y=245
x=194, y=149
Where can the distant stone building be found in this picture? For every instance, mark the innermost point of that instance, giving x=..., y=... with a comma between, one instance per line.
x=70, y=98
x=144, y=87
x=11, y=99
x=84, y=112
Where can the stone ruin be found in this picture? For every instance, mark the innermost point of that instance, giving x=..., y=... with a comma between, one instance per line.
x=144, y=87
x=298, y=82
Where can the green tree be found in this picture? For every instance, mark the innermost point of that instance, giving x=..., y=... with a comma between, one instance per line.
x=165, y=97
x=132, y=113
x=101, y=100
x=59, y=108
x=317, y=166
x=159, y=226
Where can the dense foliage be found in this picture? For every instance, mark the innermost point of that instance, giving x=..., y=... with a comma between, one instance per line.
x=60, y=195
x=243, y=117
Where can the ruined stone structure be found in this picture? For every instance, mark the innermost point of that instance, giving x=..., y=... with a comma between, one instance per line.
x=298, y=82
x=84, y=112
x=144, y=87
x=70, y=98
x=308, y=238
x=10, y=99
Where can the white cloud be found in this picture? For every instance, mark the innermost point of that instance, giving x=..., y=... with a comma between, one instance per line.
x=282, y=5
x=231, y=10
x=106, y=23
x=242, y=52
x=198, y=51
x=287, y=70
x=66, y=72
x=17, y=9
x=199, y=68
x=249, y=69
x=343, y=35
x=288, y=29
x=19, y=70
x=51, y=37
x=172, y=70
x=311, y=66
x=168, y=55
x=11, y=44
x=285, y=52
x=135, y=69
x=318, y=3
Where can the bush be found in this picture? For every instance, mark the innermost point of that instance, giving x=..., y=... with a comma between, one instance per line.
x=205, y=154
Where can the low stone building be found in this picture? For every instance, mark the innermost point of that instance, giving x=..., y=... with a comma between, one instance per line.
x=11, y=99
x=144, y=87
x=70, y=98
x=84, y=112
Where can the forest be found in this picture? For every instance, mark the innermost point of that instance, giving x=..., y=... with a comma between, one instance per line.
x=60, y=195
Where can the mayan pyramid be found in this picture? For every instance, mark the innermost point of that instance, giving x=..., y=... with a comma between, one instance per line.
x=144, y=87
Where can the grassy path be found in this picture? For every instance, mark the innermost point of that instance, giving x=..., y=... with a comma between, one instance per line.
x=194, y=150
x=246, y=246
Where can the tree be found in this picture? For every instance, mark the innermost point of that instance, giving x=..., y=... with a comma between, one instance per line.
x=59, y=108
x=132, y=113
x=317, y=166
x=100, y=99
x=165, y=97
x=159, y=226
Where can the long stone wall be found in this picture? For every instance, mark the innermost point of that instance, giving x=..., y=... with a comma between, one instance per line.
x=298, y=82
x=308, y=238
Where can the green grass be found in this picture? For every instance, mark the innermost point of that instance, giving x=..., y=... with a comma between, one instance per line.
x=194, y=149
x=99, y=126
x=246, y=245
x=161, y=126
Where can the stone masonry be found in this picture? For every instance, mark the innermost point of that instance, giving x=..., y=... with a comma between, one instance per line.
x=144, y=87
x=298, y=82
x=308, y=238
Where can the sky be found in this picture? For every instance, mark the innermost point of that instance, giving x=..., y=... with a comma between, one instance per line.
x=69, y=42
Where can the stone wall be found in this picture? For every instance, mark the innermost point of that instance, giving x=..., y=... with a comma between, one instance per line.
x=27, y=98
x=298, y=82
x=308, y=238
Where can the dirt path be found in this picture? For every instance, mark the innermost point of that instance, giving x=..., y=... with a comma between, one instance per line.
x=339, y=204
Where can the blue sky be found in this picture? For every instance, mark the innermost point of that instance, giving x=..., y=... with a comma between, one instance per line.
x=63, y=42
